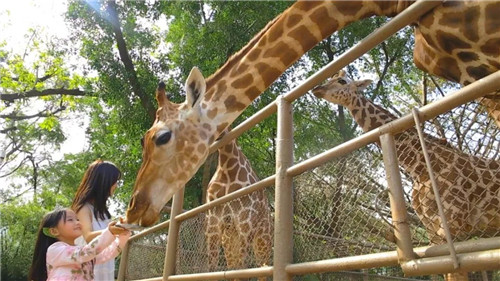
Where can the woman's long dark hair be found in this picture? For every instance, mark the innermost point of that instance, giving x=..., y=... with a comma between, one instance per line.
x=95, y=188
x=38, y=270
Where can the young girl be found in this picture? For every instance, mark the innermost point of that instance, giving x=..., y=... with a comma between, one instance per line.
x=57, y=258
x=98, y=184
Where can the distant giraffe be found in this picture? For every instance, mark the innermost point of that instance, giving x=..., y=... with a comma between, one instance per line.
x=469, y=186
x=243, y=224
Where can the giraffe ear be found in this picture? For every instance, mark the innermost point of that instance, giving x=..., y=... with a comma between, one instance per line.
x=362, y=84
x=195, y=86
x=161, y=96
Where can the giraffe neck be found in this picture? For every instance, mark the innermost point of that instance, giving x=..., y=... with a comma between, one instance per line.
x=282, y=42
x=233, y=172
x=370, y=116
x=367, y=114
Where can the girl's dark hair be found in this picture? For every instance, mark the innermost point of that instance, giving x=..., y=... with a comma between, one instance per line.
x=95, y=188
x=38, y=270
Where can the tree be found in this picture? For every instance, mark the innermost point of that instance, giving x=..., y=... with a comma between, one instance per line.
x=38, y=92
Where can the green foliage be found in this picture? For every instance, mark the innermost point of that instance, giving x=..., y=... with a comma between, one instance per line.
x=18, y=230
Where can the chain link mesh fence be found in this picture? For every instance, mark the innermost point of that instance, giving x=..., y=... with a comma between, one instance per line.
x=235, y=235
x=146, y=256
x=342, y=208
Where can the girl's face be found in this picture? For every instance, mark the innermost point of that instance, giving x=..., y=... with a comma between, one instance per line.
x=113, y=188
x=69, y=229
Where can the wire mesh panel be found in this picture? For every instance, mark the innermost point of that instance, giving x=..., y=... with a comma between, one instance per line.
x=463, y=149
x=235, y=235
x=342, y=209
x=146, y=256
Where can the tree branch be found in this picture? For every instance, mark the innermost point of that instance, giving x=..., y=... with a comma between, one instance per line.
x=47, y=92
x=6, y=130
x=39, y=114
x=127, y=62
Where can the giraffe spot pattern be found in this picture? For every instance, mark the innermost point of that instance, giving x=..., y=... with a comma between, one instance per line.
x=284, y=52
x=293, y=20
x=222, y=127
x=465, y=21
x=254, y=54
x=467, y=56
x=242, y=82
x=237, y=71
x=320, y=16
x=449, y=42
x=448, y=68
x=232, y=104
x=348, y=8
x=268, y=73
x=478, y=72
x=305, y=38
x=492, y=20
x=492, y=48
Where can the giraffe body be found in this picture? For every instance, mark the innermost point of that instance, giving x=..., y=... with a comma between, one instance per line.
x=469, y=186
x=242, y=225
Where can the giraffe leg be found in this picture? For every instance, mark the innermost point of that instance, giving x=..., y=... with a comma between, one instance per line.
x=213, y=242
x=235, y=249
x=262, y=243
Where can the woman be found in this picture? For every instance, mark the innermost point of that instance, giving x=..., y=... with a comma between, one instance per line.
x=98, y=184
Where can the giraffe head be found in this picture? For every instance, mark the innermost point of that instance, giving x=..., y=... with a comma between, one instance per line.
x=172, y=151
x=339, y=89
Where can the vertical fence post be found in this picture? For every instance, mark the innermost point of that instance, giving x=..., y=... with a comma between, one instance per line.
x=435, y=189
x=283, y=220
x=173, y=235
x=398, y=207
x=122, y=269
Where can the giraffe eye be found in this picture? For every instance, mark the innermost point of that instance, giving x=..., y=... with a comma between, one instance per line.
x=342, y=82
x=163, y=138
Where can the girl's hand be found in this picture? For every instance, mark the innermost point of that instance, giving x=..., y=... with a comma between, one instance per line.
x=115, y=230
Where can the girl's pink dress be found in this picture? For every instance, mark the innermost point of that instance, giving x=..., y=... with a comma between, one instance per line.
x=76, y=263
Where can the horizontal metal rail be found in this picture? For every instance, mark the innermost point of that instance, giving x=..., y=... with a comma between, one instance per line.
x=391, y=258
x=269, y=181
x=486, y=246
x=475, y=261
x=145, y=232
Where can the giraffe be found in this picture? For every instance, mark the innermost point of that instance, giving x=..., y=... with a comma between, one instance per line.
x=241, y=224
x=469, y=186
x=457, y=40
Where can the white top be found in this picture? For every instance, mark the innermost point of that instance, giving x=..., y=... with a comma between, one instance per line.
x=105, y=271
